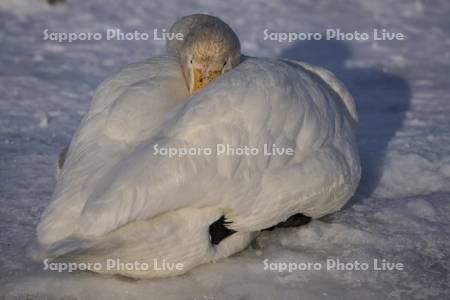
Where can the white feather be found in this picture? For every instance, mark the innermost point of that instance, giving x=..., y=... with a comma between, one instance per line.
x=113, y=187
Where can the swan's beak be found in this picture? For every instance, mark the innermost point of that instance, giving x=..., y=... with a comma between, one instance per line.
x=201, y=78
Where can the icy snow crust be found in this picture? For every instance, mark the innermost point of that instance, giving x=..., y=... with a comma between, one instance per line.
x=400, y=212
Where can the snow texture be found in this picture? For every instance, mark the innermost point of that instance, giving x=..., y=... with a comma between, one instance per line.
x=400, y=213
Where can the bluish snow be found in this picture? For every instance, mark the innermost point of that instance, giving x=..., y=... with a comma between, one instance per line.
x=400, y=213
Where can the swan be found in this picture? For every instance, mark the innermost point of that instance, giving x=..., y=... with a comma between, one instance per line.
x=120, y=197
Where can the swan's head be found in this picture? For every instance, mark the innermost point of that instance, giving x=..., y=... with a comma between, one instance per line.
x=209, y=50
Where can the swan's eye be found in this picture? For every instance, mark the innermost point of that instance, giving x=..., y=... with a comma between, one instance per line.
x=225, y=63
x=191, y=61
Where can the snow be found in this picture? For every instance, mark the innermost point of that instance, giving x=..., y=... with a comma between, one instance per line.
x=400, y=213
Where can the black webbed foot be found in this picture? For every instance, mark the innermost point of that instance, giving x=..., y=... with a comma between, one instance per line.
x=218, y=231
x=293, y=221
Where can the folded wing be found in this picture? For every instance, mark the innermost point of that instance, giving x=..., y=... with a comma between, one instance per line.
x=259, y=104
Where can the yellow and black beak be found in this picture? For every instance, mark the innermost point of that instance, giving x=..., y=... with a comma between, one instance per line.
x=202, y=78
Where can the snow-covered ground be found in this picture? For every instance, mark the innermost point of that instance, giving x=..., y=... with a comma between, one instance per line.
x=401, y=213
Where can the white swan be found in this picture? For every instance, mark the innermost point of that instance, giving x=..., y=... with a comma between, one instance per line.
x=117, y=198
